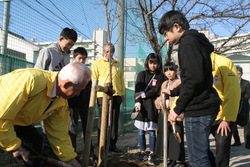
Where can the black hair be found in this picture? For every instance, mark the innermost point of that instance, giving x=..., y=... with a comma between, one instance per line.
x=80, y=50
x=153, y=58
x=239, y=69
x=68, y=33
x=112, y=47
x=168, y=20
x=170, y=66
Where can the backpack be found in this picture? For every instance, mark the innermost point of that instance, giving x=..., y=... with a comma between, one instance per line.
x=243, y=115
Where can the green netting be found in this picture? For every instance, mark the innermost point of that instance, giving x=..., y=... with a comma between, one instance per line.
x=10, y=63
x=142, y=54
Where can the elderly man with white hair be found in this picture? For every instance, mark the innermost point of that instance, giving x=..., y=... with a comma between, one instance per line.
x=29, y=96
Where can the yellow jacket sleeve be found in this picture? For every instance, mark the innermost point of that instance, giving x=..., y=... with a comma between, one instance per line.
x=226, y=82
x=11, y=101
x=231, y=93
x=57, y=127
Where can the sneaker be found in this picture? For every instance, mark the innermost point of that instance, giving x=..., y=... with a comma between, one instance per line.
x=143, y=156
x=151, y=159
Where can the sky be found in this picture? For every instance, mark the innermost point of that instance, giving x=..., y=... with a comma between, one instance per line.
x=43, y=20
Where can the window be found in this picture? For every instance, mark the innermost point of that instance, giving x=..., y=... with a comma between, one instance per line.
x=131, y=83
x=129, y=69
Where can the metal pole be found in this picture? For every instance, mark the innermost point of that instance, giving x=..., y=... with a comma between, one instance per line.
x=6, y=19
x=120, y=47
x=120, y=43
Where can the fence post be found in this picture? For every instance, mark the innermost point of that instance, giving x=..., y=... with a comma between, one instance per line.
x=5, y=28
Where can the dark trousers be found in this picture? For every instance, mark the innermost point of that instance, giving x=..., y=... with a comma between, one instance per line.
x=114, y=119
x=223, y=147
x=83, y=113
x=176, y=150
x=32, y=136
x=236, y=134
x=247, y=135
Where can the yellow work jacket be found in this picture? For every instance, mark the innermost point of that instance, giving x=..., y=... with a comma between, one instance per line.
x=100, y=70
x=25, y=100
x=226, y=82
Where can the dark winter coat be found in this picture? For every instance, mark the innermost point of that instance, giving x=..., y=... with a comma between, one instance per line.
x=197, y=97
x=148, y=110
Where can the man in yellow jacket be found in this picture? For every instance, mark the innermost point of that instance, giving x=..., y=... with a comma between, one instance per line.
x=100, y=70
x=29, y=96
x=227, y=85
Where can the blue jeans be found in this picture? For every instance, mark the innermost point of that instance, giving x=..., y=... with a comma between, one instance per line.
x=142, y=140
x=197, y=135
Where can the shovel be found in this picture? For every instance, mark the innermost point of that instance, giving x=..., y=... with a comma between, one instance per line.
x=176, y=134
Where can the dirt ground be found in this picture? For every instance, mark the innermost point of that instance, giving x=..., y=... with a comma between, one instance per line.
x=240, y=156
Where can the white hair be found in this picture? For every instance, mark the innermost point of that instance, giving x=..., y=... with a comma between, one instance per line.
x=75, y=72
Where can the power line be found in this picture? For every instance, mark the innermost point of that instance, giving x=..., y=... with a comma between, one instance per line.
x=69, y=22
x=85, y=16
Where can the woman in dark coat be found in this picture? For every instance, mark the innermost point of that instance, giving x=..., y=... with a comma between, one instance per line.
x=148, y=85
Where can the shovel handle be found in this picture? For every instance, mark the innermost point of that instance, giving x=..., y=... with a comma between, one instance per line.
x=165, y=102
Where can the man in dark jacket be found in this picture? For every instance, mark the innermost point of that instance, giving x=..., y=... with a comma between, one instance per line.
x=245, y=93
x=197, y=98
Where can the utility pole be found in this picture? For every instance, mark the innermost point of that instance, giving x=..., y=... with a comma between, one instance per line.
x=120, y=43
x=120, y=50
x=6, y=19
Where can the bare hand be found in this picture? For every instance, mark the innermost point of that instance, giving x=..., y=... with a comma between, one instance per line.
x=137, y=95
x=138, y=108
x=166, y=91
x=19, y=155
x=172, y=116
x=123, y=98
x=161, y=105
x=74, y=163
x=224, y=128
x=71, y=112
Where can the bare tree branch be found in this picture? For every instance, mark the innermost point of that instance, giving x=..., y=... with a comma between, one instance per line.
x=196, y=2
x=157, y=6
x=233, y=15
x=231, y=37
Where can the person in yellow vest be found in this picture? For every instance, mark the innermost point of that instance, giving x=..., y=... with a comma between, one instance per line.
x=29, y=96
x=226, y=83
x=100, y=70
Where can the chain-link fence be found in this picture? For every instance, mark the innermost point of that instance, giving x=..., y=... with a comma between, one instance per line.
x=10, y=63
x=33, y=25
